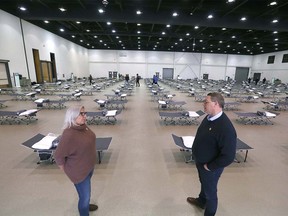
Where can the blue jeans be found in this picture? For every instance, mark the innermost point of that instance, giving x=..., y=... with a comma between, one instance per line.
x=208, y=194
x=84, y=192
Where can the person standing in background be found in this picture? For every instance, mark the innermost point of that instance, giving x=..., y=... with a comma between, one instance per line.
x=137, y=80
x=213, y=149
x=76, y=155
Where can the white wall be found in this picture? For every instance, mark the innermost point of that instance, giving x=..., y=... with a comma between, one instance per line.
x=278, y=70
x=146, y=63
x=69, y=57
x=11, y=43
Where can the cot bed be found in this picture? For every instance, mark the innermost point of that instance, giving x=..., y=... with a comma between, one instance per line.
x=232, y=105
x=186, y=142
x=46, y=149
x=181, y=118
x=102, y=103
x=24, y=96
x=248, y=99
x=275, y=105
x=111, y=104
x=50, y=104
x=17, y=117
x=258, y=117
x=2, y=103
x=116, y=96
x=103, y=117
x=115, y=104
x=200, y=97
x=170, y=104
x=73, y=96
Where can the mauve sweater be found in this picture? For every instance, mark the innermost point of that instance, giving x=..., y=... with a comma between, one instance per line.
x=77, y=152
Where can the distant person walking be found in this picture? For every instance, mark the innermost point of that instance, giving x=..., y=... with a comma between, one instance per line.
x=137, y=80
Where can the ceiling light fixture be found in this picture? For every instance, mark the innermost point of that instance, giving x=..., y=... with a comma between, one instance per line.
x=275, y=21
x=273, y=3
x=22, y=8
x=175, y=14
x=62, y=9
x=210, y=16
x=105, y=3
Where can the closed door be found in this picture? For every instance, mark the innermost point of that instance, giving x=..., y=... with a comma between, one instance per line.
x=46, y=68
x=167, y=73
x=5, y=80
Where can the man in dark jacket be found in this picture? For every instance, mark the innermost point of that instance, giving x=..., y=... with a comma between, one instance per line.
x=213, y=149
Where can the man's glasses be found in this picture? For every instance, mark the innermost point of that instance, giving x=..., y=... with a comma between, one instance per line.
x=83, y=113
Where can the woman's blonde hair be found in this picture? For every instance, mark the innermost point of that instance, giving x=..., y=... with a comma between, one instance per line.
x=71, y=115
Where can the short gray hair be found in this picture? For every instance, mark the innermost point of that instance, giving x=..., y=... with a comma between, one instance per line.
x=71, y=115
x=216, y=96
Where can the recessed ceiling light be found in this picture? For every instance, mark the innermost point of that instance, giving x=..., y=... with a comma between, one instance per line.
x=138, y=12
x=196, y=27
x=108, y=23
x=220, y=41
x=243, y=19
x=276, y=39
x=22, y=8
x=138, y=32
x=187, y=34
x=62, y=30
x=95, y=36
x=168, y=25
x=275, y=32
x=273, y=3
x=201, y=41
x=88, y=30
x=275, y=21
x=163, y=33
x=46, y=21
x=233, y=36
x=62, y=9
x=100, y=41
x=180, y=39
x=73, y=36
x=100, y=10
x=223, y=29
x=81, y=41
x=113, y=31
x=138, y=24
x=210, y=16
x=175, y=14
